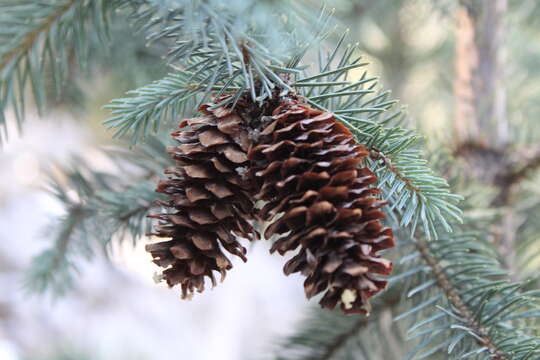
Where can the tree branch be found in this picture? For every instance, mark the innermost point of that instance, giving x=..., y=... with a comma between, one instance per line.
x=455, y=299
x=387, y=162
x=141, y=209
x=343, y=338
x=30, y=39
x=505, y=169
x=77, y=214
x=529, y=159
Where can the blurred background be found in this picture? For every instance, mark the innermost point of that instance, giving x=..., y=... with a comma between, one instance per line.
x=115, y=310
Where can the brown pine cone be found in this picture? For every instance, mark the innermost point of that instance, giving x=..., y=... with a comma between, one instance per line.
x=209, y=201
x=305, y=166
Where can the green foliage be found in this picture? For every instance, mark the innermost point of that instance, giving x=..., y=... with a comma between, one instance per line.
x=154, y=105
x=217, y=47
x=55, y=267
x=42, y=38
x=480, y=311
x=99, y=207
x=461, y=266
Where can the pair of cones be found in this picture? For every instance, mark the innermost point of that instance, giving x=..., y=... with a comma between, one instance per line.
x=306, y=169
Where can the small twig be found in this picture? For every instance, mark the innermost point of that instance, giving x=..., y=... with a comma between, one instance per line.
x=485, y=163
x=387, y=162
x=506, y=167
x=126, y=216
x=519, y=169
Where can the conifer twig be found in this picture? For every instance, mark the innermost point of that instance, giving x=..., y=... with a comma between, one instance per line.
x=387, y=162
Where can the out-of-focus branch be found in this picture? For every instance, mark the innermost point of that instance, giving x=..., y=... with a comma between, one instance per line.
x=505, y=169
x=502, y=168
x=512, y=170
x=526, y=161
x=30, y=39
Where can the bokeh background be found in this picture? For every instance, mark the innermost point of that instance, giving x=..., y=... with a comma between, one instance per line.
x=116, y=311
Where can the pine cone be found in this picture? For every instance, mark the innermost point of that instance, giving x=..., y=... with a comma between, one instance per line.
x=305, y=166
x=209, y=200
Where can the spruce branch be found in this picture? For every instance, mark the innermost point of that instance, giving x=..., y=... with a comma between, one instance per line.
x=41, y=39
x=29, y=40
x=380, y=157
x=124, y=215
x=530, y=161
x=360, y=324
x=99, y=207
x=477, y=313
x=53, y=268
x=480, y=305
x=341, y=339
x=232, y=47
x=457, y=302
x=87, y=226
x=505, y=170
x=520, y=166
x=151, y=105
x=458, y=267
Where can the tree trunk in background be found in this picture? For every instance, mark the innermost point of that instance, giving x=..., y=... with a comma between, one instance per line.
x=466, y=61
x=480, y=114
x=481, y=122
